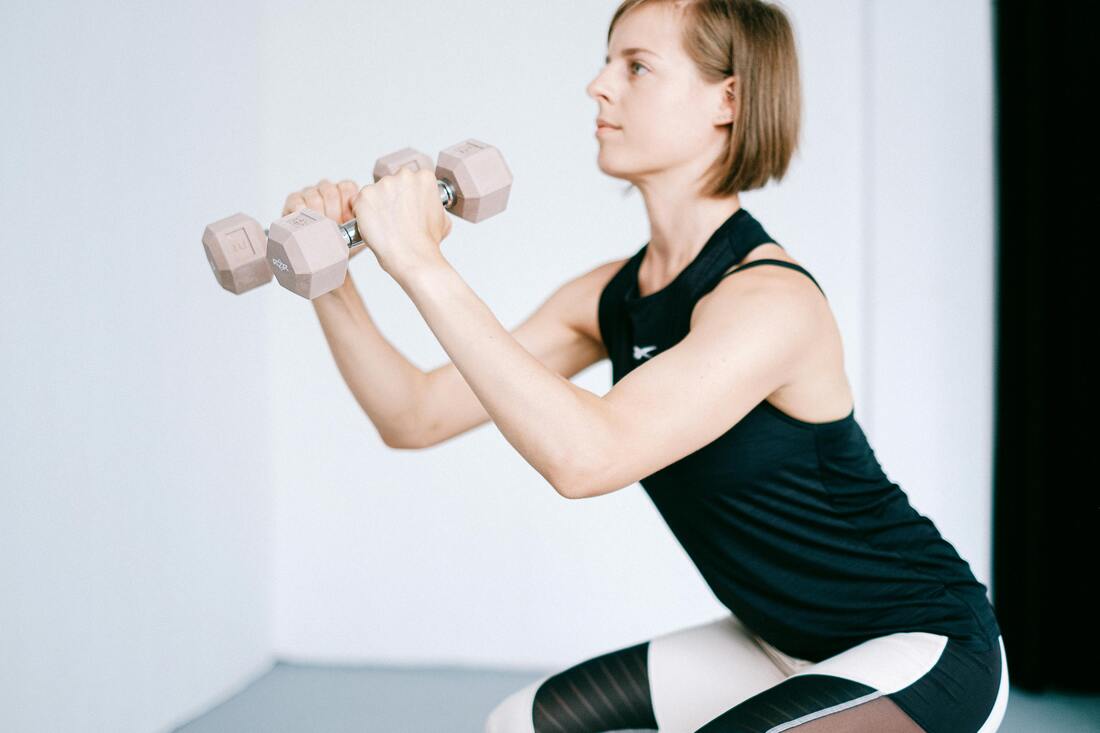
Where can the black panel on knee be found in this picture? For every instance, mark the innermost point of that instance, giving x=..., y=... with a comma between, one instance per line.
x=958, y=693
x=790, y=699
x=608, y=692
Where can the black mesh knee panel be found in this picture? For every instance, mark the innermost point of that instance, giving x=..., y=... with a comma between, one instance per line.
x=608, y=692
x=806, y=697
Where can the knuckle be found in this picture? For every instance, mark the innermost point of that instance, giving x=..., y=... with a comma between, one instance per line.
x=293, y=201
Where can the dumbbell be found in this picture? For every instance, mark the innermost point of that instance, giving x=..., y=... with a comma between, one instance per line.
x=309, y=252
x=236, y=246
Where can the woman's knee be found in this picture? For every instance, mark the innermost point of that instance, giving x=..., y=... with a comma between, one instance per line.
x=513, y=713
x=607, y=692
x=698, y=672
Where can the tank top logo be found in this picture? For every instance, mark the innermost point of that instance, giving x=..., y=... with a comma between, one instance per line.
x=643, y=352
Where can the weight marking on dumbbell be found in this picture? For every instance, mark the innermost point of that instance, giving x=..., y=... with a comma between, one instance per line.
x=280, y=264
x=466, y=147
x=236, y=250
x=300, y=220
x=240, y=242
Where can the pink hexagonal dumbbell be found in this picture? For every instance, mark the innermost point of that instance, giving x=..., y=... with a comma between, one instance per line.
x=236, y=246
x=308, y=252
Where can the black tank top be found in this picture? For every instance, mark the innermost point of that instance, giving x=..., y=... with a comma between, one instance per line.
x=793, y=525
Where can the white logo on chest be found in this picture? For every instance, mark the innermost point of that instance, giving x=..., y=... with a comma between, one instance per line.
x=643, y=352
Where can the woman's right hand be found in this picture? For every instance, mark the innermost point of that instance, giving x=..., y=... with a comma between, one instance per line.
x=328, y=198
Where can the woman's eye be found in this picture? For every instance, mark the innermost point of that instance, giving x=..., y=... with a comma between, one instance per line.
x=635, y=63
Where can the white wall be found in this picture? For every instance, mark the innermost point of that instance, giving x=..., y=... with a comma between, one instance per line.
x=135, y=492
x=928, y=268
x=188, y=488
x=462, y=553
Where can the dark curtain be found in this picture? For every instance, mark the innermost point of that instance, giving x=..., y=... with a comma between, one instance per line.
x=1046, y=554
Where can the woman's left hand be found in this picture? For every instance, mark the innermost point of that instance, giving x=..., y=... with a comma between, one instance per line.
x=402, y=220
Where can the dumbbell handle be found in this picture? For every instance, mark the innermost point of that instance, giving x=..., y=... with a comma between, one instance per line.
x=350, y=231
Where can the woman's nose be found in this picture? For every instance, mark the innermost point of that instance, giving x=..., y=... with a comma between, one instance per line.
x=595, y=87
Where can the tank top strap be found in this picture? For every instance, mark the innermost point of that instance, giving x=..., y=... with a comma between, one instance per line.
x=783, y=263
x=739, y=235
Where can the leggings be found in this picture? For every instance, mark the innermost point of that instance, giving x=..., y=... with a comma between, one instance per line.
x=719, y=677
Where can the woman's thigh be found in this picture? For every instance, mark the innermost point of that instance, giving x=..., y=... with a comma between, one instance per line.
x=675, y=683
x=911, y=682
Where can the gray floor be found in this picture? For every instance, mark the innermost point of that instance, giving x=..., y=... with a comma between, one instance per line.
x=293, y=698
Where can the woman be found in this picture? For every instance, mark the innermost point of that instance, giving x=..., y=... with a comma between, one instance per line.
x=849, y=611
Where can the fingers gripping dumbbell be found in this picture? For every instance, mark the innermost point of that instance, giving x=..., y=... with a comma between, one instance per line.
x=309, y=252
x=236, y=246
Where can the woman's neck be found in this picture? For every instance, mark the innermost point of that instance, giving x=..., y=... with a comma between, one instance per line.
x=679, y=229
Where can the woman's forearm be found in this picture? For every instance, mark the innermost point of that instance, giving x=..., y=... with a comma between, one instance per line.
x=387, y=385
x=547, y=418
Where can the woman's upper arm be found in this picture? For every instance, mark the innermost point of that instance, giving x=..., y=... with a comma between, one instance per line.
x=563, y=334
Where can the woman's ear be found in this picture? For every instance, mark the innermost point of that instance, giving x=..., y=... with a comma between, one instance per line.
x=730, y=104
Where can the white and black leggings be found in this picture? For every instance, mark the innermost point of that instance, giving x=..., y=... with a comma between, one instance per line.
x=719, y=677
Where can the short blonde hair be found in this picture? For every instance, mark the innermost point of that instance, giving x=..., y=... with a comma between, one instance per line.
x=754, y=40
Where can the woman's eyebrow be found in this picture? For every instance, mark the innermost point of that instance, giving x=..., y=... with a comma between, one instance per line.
x=629, y=51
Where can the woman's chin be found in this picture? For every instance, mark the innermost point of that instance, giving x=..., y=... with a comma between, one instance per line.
x=608, y=167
